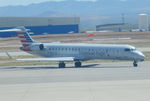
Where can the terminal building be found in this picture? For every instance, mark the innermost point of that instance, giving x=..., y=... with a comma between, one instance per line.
x=41, y=25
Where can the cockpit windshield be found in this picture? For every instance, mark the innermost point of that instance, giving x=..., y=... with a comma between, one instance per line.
x=130, y=49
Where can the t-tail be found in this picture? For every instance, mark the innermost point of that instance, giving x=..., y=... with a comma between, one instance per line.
x=25, y=39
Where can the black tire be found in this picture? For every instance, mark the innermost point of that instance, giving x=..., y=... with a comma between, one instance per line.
x=78, y=64
x=135, y=64
x=41, y=46
x=62, y=65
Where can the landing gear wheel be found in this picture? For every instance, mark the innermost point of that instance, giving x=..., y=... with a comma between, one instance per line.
x=135, y=64
x=77, y=64
x=62, y=65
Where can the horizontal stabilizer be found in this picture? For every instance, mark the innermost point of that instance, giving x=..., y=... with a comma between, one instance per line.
x=11, y=30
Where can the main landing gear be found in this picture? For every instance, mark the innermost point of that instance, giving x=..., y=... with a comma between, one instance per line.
x=63, y=65
x=77, y=64
x=135, y=64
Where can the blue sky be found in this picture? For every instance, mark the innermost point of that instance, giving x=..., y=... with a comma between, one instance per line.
x=20, y=2
x=27, y=2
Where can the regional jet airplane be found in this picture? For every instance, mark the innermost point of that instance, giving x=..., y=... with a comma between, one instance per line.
x=64, y=52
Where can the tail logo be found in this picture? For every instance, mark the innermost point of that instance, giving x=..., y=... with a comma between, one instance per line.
x=25, y=39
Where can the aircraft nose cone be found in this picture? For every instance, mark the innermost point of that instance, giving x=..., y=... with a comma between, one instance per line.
x=141, y=56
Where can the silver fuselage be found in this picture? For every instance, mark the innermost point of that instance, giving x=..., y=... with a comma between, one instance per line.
x=88, y=51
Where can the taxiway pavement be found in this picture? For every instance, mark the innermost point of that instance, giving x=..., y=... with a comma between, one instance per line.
x=116, y=81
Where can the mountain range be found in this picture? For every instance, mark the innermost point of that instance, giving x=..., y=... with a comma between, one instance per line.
x=90, y=12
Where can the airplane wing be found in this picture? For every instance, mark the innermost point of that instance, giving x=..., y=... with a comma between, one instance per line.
x=66, y=59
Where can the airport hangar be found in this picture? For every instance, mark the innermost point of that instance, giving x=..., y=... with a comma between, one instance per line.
x=41, y=25
x=117, y=27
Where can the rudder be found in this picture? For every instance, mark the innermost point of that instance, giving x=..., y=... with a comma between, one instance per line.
x=25, y=38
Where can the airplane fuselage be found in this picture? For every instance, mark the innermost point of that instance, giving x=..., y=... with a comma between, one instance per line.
x=88, y=51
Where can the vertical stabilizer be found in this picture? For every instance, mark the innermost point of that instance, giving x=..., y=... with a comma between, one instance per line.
x=25, y=38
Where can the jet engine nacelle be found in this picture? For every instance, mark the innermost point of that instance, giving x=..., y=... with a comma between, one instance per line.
x=37, y=46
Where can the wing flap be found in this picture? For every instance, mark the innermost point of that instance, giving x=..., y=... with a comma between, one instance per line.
x=48, y=59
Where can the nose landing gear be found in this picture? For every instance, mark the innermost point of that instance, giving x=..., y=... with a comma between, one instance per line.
x=135, y=64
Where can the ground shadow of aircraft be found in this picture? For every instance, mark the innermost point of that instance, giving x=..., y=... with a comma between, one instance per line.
x=55, y=67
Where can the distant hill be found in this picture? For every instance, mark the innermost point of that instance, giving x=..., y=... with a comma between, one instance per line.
x=91, y=13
